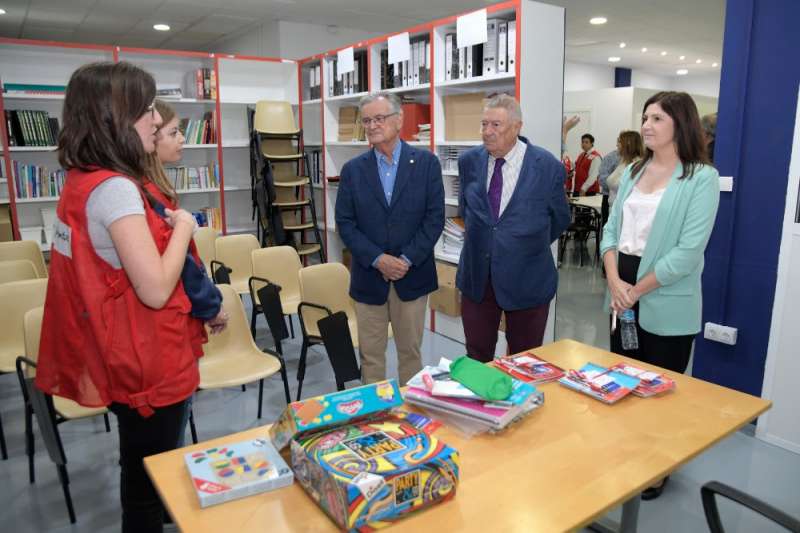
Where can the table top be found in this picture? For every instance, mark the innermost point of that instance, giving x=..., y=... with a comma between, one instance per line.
x=564, y=466
x=595, y=202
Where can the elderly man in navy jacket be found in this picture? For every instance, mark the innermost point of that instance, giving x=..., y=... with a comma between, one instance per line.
x=513, y=203
x=390, y=213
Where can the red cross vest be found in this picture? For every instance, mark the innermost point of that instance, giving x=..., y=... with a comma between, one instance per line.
x=99, y=343
x=582, y=166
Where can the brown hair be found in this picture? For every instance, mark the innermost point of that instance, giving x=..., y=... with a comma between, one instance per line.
x=102, y=103
x=688, y=135
x=153, y=165
x=630, y=146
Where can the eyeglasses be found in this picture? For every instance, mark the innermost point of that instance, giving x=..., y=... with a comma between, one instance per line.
x=377, y=119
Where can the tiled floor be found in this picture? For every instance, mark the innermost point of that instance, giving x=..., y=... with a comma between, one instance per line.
x=741, y=460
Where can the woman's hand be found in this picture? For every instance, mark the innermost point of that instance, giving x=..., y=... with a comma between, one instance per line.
x=180, y=216
x=620, y=294
x=218, y=323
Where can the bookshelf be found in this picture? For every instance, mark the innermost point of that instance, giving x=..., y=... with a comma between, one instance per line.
x=238, y=82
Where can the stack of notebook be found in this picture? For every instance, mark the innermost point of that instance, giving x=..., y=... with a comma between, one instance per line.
x=650, y=383
x=529, y=368
x=604, y=384
x=434, y=389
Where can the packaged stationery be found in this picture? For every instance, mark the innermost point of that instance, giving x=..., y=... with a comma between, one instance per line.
x=237, y=470
x=601, y=383
x=650, y=383
x=529, y=368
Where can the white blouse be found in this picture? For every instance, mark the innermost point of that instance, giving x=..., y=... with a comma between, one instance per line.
x=638, y=213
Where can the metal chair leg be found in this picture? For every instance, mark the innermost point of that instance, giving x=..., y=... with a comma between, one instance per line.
x=3, y=449
x=260, y=395
x=253, y=315
x=29, y=444
x=191, y=426
x=291, y=325
x=301, y=369
x=108, y=424
x=64, y=478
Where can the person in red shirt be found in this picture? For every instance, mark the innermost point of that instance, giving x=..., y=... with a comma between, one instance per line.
x=117, y=329
x=587, y=167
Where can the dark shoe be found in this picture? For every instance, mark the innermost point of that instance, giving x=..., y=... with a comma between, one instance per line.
x=651, y=493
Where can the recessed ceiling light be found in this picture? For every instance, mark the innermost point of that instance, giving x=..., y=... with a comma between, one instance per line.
x=715, y=64
x=663, y=52
x=161, y=27
x=699, y=61
x=682, y=72
x=682, y=58
x=614, y=59
x=644, y=49
x=622, y=45
x=598, y=20
x=2, y=11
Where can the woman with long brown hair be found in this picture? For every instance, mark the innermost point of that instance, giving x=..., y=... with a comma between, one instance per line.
x=116, y=328
x=656, y=234
x=630, y=150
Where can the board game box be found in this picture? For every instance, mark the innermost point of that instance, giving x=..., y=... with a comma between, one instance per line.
x=237, y=470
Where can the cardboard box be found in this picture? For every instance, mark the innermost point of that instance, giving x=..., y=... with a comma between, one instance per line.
x=447, y=299
x=462, y=116
x=323, y=412
x=369, y=473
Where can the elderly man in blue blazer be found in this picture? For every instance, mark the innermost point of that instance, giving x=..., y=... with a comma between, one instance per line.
x=514, y=206
x=390, y=213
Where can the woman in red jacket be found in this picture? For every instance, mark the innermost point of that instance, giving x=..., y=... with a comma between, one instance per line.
x=116, y=328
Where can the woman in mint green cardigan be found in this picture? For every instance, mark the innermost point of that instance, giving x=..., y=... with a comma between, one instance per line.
x=661, y=221
x=656, y=234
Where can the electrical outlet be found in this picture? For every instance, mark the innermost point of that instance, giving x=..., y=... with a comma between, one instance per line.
x=720, y=333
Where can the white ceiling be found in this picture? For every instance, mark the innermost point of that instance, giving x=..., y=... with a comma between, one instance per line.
x=693, y=28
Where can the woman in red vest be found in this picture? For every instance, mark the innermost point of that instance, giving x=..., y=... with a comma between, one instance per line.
x=117, y=327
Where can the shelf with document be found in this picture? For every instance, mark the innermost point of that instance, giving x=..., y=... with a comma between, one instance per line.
x=412, y=73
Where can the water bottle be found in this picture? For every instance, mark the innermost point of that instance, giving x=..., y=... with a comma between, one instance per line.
x=627, y=330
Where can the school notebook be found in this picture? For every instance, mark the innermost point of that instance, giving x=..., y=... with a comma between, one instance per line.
x=604, y=384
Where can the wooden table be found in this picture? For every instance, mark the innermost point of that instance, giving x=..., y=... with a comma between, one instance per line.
x=560, y=469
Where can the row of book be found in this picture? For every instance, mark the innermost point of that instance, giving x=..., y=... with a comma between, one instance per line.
x=187, y=178
x=453, y=236
x=29, y=127
x=412, y=72
x=338, y=83
x=200, y=83
x=208, y=217
x=314, y=171
x=350, y=127
x=496, y=55
x=35, y=181
x=33, y=89
x=433, y=388
x=200, y=131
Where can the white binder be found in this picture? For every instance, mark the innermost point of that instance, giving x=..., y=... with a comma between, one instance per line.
x=502, y=46
x=512, y=45
x=490, y=48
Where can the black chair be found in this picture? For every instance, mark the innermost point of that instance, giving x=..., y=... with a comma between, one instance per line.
x=712, y=488
x=339, y=345
x=269, y=296
x=42, y=405
x=308, y=341
x=585, y=221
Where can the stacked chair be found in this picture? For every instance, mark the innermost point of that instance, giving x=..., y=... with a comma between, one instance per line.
x=284, y=201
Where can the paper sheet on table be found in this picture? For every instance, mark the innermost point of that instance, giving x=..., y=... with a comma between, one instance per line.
x=345, y=61
x=399, y=48
x=471, y=29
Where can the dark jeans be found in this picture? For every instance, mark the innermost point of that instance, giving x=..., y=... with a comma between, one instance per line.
x=524, y=327
x=667, y=351
x=142, y=511
x=604, y=208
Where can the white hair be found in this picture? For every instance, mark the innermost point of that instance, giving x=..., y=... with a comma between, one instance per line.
x=509, y=103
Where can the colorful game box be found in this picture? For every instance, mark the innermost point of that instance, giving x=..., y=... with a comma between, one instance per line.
x=367, y=474
x=302, y=417
x=237, y=470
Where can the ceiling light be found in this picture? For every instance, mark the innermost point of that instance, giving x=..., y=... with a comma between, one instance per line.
x=682, y=58
x=682, y=72
x=598, y=20
x=161, y=27
x=614, y=59
x=714, y=65
x=2, y=11
x=663, y=52
x=622, y=45
x=699, y=61
x=644, y=49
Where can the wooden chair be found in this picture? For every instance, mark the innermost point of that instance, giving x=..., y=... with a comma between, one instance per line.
x=24, y=250
x=16, y=299
x=232, y=358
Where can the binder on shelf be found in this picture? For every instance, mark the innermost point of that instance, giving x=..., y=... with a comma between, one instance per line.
x=512, y=45
x=490, y=48
x=427, y=62
x=477, y=60
x=462, y=62
x=502, y=46
x=449, y=46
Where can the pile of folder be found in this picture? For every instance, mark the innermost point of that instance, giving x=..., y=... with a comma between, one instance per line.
x=453, y=236
x=434, y=389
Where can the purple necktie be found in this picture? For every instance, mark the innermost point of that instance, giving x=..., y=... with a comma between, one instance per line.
x=496, y=187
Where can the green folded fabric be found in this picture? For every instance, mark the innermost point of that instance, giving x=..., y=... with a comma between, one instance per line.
x=487, y=382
